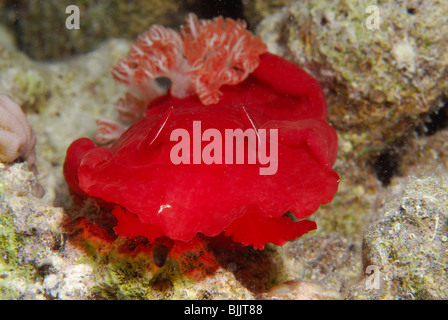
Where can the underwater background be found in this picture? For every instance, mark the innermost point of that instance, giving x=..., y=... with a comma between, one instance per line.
x=383, y=68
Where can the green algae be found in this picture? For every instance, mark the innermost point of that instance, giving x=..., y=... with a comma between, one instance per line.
x=10, y=268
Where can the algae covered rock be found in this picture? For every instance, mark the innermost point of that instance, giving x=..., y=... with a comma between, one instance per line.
x=256, y=10
x=384, y=67
x=45, y=255
x=329, y=260
x=300, y=290
x=36, y=262
x=405, y=253
x=22, y=79
x=44, y=35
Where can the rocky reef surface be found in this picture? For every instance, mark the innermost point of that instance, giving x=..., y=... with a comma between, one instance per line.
x=384, y=236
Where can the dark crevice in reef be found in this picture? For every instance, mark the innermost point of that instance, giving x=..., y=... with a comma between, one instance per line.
x=255, y=269
x=435, y=121
x=386, y=165
x=213, y=8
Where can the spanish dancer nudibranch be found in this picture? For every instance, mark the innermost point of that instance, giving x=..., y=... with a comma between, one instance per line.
x=239, y=140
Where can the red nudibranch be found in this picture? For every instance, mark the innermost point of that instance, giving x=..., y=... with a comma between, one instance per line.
x=222, y=79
